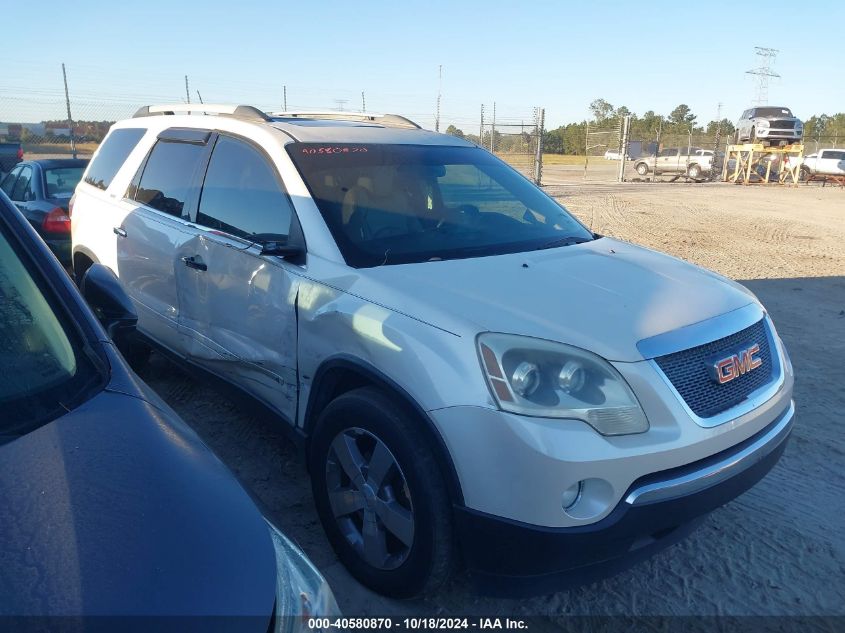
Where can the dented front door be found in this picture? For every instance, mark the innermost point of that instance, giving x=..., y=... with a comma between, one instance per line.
x=239, y=317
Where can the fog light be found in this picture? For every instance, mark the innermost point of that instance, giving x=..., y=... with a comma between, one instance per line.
x=525, y=378
x=571, y=495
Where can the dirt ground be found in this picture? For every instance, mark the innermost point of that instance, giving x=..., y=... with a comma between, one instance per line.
x=777, y=550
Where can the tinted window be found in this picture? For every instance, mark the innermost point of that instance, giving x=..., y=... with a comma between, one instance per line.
x=9, y=181
x=60, y=182
x=44, y=371
x=111, y=155
x=22, y=189
x=169, y=175
x=241, y=194
x=393, y=204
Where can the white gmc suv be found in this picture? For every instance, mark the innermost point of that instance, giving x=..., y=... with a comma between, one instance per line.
x=473, y=375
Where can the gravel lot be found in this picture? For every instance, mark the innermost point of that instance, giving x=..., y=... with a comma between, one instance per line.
x=777, y=550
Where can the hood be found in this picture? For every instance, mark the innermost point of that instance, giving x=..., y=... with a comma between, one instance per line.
x=602, y=296
x=119, y=509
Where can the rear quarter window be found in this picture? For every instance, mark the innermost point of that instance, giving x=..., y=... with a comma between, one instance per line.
x=113, y=152
x=168, y=180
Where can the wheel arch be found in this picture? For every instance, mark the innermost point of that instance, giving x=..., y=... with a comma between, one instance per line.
x=85, y=257
x=340, y=374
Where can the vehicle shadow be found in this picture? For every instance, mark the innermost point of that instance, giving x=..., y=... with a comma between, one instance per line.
x=776, y=550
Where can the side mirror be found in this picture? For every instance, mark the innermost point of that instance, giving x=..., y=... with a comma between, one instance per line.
x=293, y=251
x=102, y=291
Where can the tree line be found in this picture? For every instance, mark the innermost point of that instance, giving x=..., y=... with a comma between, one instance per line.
x=679, y=124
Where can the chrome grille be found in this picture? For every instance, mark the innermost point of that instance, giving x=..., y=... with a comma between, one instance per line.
x=782, y=125
x=689, y=373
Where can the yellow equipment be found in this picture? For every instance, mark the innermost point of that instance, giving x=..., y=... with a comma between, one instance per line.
x=753, y=163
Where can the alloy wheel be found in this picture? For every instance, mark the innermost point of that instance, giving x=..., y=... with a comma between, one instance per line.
x=370, y=498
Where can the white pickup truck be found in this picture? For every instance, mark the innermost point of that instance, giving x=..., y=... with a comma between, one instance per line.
x=827, y=162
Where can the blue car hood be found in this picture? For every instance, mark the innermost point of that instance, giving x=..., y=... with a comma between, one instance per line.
x=118, y=508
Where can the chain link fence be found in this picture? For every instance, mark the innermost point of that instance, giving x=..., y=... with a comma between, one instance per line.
x=42, y=127
x=516, y=140
x=47, y=126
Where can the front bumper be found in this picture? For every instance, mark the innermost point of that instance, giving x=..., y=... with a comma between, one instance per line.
x=511, y=557
x=779, y=134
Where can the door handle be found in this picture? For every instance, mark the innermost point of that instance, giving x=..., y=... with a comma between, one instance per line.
x=190, y=262
x=119, y=231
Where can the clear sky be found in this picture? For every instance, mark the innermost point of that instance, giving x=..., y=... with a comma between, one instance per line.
x=555, y=54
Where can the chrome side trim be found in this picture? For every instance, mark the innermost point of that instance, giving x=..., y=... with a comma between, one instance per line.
x=754, y=399
x=700, y=333
x=724, y=469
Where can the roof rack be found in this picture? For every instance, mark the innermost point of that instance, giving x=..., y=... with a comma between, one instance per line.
x=390, y=120
x=247, y=112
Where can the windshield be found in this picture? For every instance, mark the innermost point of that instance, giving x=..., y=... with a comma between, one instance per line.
x=771, y=112
x=392, y=204
x=60, y=182
x=43, y=370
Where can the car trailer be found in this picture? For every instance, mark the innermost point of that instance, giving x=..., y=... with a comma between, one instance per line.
x=754, y=163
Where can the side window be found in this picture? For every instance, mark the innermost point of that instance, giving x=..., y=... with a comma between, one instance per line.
x=22, y=189
x=114, y=150
x=9, y=181
x=668, y=152
x=834, y=155
x=168, y=179
x=241, y=194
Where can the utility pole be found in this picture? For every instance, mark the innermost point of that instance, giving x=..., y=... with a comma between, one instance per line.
x=187, y=91
x=439, y=92
x=493, y=131
x=538, y=151
x=764, y=73
x=285, y=98
x=199, y=96
x=623, y=149
x=717, y=142
x=481, y=128
x=69, y=117
x=363, y=102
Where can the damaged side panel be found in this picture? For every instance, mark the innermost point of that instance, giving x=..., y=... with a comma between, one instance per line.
x=335, y=323
x=239, y=318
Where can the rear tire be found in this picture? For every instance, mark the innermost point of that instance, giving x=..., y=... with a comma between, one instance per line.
x=694, y=172
x=381, y=495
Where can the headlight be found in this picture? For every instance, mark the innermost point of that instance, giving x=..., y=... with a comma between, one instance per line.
x=762, y=123
x=541, y=378
x=301, y=591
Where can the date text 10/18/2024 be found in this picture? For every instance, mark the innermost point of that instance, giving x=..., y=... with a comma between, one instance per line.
x=481, y=624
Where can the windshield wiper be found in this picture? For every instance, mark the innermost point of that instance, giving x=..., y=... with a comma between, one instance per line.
x=569, y=240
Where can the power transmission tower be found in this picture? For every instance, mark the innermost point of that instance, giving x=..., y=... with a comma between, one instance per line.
x=285, y=98
x=363, y=102
x=763, y=73
x=187, y=91
x=340, y=103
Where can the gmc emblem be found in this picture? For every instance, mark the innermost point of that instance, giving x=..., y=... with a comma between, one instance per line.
x=731, y=367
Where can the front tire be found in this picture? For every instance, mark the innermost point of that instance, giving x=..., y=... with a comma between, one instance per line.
x=381, y=495
x=642, y=169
